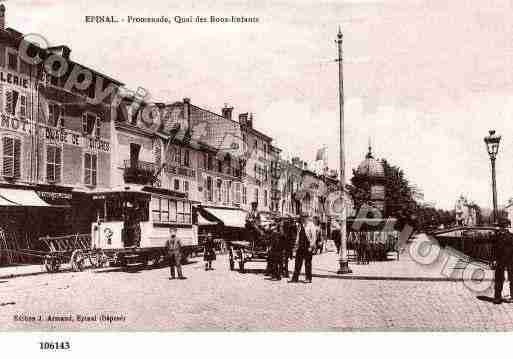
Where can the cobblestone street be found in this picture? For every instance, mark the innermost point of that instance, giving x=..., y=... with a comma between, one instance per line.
x=225, y=300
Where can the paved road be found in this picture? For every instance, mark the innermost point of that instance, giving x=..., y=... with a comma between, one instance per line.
x=224, y=300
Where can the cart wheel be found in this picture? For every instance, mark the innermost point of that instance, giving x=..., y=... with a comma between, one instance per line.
x=77, y=261
x=51, y=265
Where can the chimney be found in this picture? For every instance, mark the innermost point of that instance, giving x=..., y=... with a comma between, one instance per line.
x=227, y=112
x=250, y=121
x=61, y=50
x=243, y=118
x=2, y=17
x=187, y=111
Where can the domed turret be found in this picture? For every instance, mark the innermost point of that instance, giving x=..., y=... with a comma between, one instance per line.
x=370, y=167
x=373, y=171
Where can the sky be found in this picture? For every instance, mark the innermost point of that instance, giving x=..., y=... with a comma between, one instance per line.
x=424, y=80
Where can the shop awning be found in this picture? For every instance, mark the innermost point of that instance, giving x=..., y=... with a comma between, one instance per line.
x=202, y=221
x=229, y=217
x=20, y=197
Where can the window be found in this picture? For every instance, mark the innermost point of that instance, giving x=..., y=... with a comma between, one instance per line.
x=89, y=122
x=163, y=210
x=209, y=189
x=53, y=163
x=186, y=186
x=179, y=212
x=210, y=165
x=155, y=209
x=172, y=211
x=176, y=184
x=97, y=127
x=265, y=198
x=178, y=155
x=219, y=166
x=90, y=169
x=219, y=184
x=186, y=159
x=11, y=157
x=256, y=145
x=256, y=195
x=244, y=195
x=183, y=212
x=11, y=102
x=54, y=114
x=23, y=106
x=12, y=61
x=237, y=193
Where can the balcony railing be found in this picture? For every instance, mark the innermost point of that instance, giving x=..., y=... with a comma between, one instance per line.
x=141, y=172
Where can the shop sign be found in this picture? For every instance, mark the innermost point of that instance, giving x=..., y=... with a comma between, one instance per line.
x=53, y=134
x=54, y=195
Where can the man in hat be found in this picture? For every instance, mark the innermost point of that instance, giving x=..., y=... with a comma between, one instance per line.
x=305, y=243
x=503, y=260
x=174, y=253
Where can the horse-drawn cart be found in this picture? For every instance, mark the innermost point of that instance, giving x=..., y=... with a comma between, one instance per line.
x=74, y=249
x=246, y=251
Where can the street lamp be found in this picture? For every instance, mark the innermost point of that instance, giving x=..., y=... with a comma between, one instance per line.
x=492, y=146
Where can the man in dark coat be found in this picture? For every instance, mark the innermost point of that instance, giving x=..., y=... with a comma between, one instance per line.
x=503, y=258
x=337, y=238
x=305, y=248
x=174, y=253
x=289, y=229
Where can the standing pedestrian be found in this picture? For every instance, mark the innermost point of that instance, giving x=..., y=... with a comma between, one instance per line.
x=276, y=252
x=305, y=248
x=336, y=237
x=289, y=233
x=503, y=258
x=209, y=253
x=174, y=253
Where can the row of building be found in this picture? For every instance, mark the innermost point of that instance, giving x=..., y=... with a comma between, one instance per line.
x=61, y=141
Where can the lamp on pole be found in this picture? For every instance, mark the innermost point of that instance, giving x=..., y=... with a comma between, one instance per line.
x=343, y=260
x=492, y=146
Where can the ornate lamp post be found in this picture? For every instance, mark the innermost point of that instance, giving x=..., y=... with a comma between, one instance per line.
x=343, y=260
x=492, y=145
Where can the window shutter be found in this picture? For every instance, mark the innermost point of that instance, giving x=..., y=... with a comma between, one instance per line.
x=17, y=158
x=49, y=166
x=15, y=96
x=57, y=164
x=61, y=116
x=93, y=169
x=87, y=168
x=84, y=125
x=8, y=153
x=8, y=102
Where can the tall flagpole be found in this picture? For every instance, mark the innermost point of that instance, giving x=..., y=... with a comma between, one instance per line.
x=343, y=260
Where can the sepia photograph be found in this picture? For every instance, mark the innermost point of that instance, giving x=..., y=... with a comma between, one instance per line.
x=242, y=166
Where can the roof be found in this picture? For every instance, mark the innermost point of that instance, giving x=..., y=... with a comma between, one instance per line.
x=15, y=37
x=371, y=167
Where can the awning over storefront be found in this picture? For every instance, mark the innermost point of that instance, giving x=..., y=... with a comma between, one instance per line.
x=229, y=217
x=20, y=197
x=202, y=221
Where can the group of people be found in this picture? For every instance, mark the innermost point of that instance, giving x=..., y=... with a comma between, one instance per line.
x=281, y=237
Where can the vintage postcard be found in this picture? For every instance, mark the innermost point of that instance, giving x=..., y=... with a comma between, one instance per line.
x=284, y=166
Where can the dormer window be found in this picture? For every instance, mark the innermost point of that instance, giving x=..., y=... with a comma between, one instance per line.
x=12, y=61
x=54, y=115
x=91, y=124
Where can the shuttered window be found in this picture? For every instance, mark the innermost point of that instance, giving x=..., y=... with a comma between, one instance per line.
x=23, y=106
x=53, y=163
x=54, y=114
x=90, y=169
x=11, y=157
